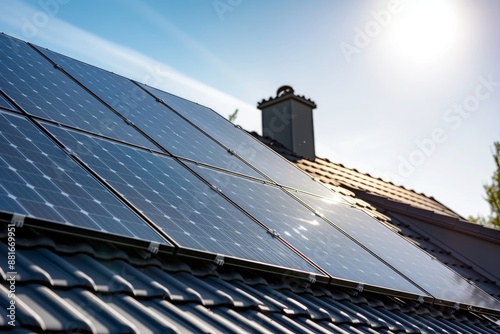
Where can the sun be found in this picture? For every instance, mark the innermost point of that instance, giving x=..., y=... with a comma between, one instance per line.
x=427, y=31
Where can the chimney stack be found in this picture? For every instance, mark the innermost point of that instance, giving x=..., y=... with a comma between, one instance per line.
x=287, y=119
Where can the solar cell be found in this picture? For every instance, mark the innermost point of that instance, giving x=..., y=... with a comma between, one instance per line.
x=418, y=266
x=251, y=150
x=39, y=180
x=178, y=202
x=44, y=91
x=166, y=127
x=5, y=104
x=318, y=240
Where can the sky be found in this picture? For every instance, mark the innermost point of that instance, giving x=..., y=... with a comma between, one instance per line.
x=407, y=90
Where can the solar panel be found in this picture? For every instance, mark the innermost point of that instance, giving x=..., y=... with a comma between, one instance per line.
x=44, y=91
x=398, y=252
x=5, y=104
x=39, y=180
x=251, y=150
x=166, y=127
x=330, y=249
x=178, y=202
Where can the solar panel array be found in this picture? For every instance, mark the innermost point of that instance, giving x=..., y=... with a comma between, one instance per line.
x=97, y=151
x=178, y=202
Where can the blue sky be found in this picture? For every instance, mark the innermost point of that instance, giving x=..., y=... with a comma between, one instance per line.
x=406, y=90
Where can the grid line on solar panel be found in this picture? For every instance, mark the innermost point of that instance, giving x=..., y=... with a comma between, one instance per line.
x=39, y=180
x=167, y=128
x=179, y=203
x=244, y=145
x=6, y=104
x=315, y=238
x=44, y=91
x=407, y=259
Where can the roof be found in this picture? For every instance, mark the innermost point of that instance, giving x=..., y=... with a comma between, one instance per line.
x=68, y=279
x=74, y=285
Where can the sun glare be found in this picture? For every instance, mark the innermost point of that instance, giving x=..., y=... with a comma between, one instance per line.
x=427, y=31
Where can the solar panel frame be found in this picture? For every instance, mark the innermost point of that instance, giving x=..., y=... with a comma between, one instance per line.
x=41, y=182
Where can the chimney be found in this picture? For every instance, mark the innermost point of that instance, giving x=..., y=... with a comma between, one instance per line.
x=287, y=119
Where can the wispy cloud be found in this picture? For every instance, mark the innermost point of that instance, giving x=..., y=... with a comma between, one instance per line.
x=63, y=37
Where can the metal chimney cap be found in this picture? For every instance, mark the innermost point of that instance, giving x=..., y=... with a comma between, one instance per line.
x=284, y=90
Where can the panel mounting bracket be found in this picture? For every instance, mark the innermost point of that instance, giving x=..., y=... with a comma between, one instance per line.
x=274, y=233
x=319, y=214
x=219, y=260
x=311, y=278
x=420, y=300
x=17, y=220
x=154, y=247
x=360, y=287
x=68, y=151
x=159, y=100
x=456, y=307
x=59, y=67
x=214, y=188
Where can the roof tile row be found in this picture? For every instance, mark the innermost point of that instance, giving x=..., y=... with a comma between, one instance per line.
x=66, y=284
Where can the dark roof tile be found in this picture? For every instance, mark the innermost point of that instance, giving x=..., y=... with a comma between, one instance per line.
x=337, y=315
x=210, y=295
x=294, y=325
x=24, y=314
x=55, y=313
x=242, y=297
x=104, y=279
x=104, y=318
x=58, y=271
x=266, y=321
x=183, y=317
x=144, y=318
x=176, y=290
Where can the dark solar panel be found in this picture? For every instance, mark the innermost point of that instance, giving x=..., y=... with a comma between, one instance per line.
x=398, y=252
x=251, y=150
x=166, y=127
x=39, y=180
x=178, y=202
x=45, y=91
x=5, y=104
x=318, y=240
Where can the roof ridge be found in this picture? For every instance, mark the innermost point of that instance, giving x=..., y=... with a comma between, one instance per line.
x=378, y=178
x=394, y=184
